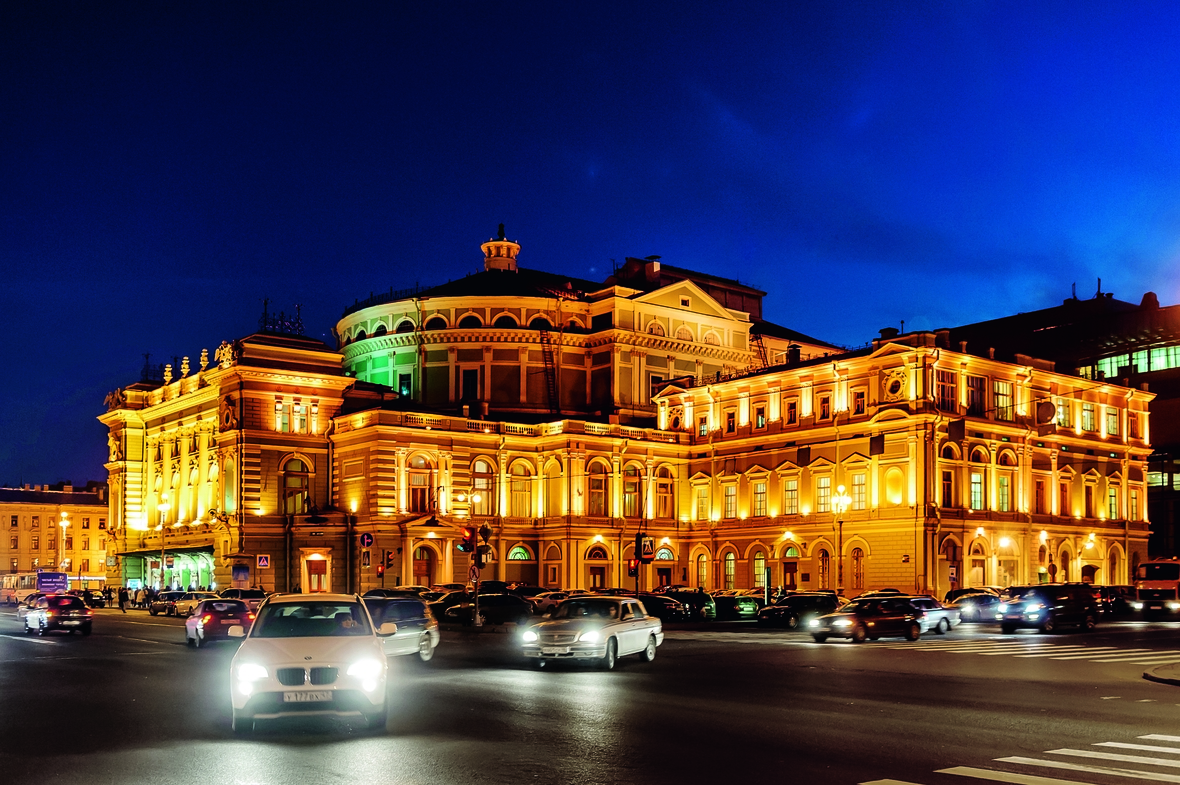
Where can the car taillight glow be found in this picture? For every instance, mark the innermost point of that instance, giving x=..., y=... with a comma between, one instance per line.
x=251, y=616
x=206, y=618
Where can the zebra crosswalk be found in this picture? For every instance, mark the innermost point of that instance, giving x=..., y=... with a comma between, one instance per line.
x=1103, y=763
x=1041, y=649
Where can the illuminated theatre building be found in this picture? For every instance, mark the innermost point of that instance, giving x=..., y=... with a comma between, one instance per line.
x=568, y=415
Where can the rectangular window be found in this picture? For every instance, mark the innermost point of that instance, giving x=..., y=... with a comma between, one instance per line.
x=760, y=417
x=1132, y=426
x=791, y=497
x=86, y=565
x=405, y=387
x=36, y=522
x=947, y=390
x=1089, y=501
x=859, y=492
x=823, y=494
x=825, y=407
x=13, y=565
x=85, y=523
x=631, y=494
x=300, y=418
x=1112, y=503
x=1063, y=505
x=1112, y=422
x=86, y=544
x=69, y=543
x=1002, y=392
x=13, y=543
x=859, y=401
x=102, y=544
x=51, y=544
x=702, y=503
x=976, y=490
x=976, y=395
x=1004, y=503
x=948, y=489
x=1134, y=505
x=792, y=412
x=1089, y=422
x=730, y=422
x=15, y=520
x=759, y=500
x=702, y=426
x=1064, y=414
x=730, y=501
x=36, y=543
x=1040, y=498
x=102, y=524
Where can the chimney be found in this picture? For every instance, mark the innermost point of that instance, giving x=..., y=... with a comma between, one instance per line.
x=991, y=352
x=793, y=354
x=963, y=347
x=1150, y=301
x=888, y=332
x=943, y=338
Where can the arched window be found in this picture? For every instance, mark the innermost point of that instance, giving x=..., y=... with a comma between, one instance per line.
x=730, y=570
x=791, y=553
x=295, y=487
x=421, y=487
x=361, y=335
x=519, y=553
x=703, y=571
x=574, y=326
x=521, y=488
x=553, y=491
x=664, y=506
x=858, y=568
x=470, y=322
x=655, y=328
x=978, y=455
x=683, y=334
x=665, y=554
x=759, y=570
x=597, y=553
x=381, y=330
x=505, y=322
x=598, y=483
x=631, y=495
x=948, y=453
x=1113, y=575
x=1007, y=459
x=540, y=323
x=405, y=326
x=483, y=494
x=711, y=339
x=435, y=323
x=825, y=569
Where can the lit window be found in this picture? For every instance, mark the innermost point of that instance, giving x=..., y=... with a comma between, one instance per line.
x=759, y=570
x=859, y=492
x=792, y=412
x=976, y=490
x=730, y=501
x=947, y=386
x=823, y=494
x=759, y=500
x=702, y=504
x=730, y=570
x=519, y=553
x=791, y=497
x=1112, y=503
x=825, y=407
x=1064, y=414
x=760, y=417
x=1004, y=502
x=858, y=401
x=1002, y=396
x=1112, y=422
x=1089, y=421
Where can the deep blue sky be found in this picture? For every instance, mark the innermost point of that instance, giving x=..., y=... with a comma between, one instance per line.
x=166, y=165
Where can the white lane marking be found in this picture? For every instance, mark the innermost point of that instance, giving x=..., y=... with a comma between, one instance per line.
x=1140, y=659
x=27, y=639
x=145, y=640
x=1159, y=737
x=1110, y=698
x=1115, y=772
x=1008, y=776
x=1108, y=651
x=1062, y=650
x=1122, y=745
x=1174, y=764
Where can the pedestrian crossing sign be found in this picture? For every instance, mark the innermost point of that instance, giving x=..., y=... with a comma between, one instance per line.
x=263, y=561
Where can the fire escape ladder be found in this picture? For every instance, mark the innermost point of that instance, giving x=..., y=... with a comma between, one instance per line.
x=761, y=347
x=550, y=372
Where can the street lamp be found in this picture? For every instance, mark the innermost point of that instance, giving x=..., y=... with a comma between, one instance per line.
x=65, y=522
x=840, y=504
x=163, y=507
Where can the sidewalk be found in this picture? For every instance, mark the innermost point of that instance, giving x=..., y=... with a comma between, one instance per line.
x=1164, y=674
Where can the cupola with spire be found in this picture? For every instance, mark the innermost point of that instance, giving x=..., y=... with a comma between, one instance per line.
x=499, y=253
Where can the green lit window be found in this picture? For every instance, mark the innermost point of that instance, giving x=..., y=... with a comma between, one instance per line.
x=1112, y=503
x=519, y=553
x=1003, y=504
x=730, y=570
x=976, y=490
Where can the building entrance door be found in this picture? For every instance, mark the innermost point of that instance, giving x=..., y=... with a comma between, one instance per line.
x=423, y=558
x=598, y=577
x=663, y=576
x=790, y=575
x=317, y=575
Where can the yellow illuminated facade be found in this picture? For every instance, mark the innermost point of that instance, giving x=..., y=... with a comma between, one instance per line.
x=35, y=539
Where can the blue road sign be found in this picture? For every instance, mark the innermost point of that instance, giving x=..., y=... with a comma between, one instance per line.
x=366, y=540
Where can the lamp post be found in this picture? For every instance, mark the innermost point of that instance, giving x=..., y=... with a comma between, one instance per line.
x=163, y=507
x=840, y=504
x=63, y=523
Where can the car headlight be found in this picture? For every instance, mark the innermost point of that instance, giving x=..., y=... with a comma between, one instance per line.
x=842, y=623
x=1003, y=608
x=1174, y=606
x=590, y=636
x=1033, y=606
x=1137, y=606
x=249, y=671
x=529, y=636
x=366, y=668
x=813, y=623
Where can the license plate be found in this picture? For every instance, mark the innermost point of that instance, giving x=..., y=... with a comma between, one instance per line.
x=71, y=621
x=555, y=649
x=228, y=621
x=1155, y=607
x=307, y=697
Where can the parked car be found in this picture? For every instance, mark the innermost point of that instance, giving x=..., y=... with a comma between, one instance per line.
x=546, y=602
x=391, y=593
x=449, y=600
x=252, y=597
x=211, y=619
x=490, y=587
x=495, y=609
x=735, y=606
x=413, y=589
x=980, y=608
x=58, y=612
x=527, y=590
x=417, y=630
x=663, y=607
x=955, y=594
x=165, y=602
x=597, y=628
x=869, y=618
x=446, y=587
x=186, y=604
x=309, y=653
x=1114, y=600
x=934, y=616
x=700, y=604
x=1050, y=606
x=796, y=610
x=880, y=593
x=92, y=598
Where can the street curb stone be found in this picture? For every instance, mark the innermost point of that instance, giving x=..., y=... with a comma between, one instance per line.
x=1164, y=674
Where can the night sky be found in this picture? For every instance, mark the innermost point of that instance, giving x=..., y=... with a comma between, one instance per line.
x=164, y=166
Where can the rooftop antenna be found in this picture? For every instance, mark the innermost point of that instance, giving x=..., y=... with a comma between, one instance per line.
x=1099, y=288
x=903, y=326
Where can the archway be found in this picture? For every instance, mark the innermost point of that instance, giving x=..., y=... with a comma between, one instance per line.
x=425, y=566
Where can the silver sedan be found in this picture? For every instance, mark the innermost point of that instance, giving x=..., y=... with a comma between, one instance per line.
x=594, y=628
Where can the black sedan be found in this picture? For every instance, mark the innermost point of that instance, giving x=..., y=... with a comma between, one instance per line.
x=494, y=608
x=165, y=602
x=701, y=605
x=796, y=610
x=869, y=619
x=663, y=607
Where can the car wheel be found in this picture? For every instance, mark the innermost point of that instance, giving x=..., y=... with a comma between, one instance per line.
x=28, y=627
x=612, y=654
x=859, y=634
x=649, y=654
x=151, y=611
x=942, y=628
x=913, y=632
x=1089, y=623
x=1007, y=629
x=792, y=622
x=86, y=630
x=819, y=638
x=41, y=628
x=242, y=725
x=425, y=650
x=196, y=640
x=1049, y=625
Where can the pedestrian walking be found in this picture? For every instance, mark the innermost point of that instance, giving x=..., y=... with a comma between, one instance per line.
x=122, y=599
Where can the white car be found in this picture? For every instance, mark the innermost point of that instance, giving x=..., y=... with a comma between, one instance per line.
x=309, y=654
x=184, y=606
x=417, y=629
x=598, y=628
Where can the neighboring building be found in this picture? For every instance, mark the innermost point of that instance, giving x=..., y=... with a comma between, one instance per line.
x=1107, y=339
x=32, y=518
x=288, y=464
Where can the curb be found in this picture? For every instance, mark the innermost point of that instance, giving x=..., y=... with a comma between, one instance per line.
x=1154, y=675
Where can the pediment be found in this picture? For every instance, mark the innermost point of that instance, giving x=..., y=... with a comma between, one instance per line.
x=700, y=302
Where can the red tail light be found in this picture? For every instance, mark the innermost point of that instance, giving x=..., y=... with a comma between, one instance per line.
x=205, y=619
x=49, y=613
x=251, y=616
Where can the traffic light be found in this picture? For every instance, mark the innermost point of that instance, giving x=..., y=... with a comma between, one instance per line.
x=390, y=559
x=380, y=569
x=632, y=568
x=481, y=556
x=467, y=540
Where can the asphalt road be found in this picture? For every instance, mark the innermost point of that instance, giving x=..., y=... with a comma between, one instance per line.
x=722, y=701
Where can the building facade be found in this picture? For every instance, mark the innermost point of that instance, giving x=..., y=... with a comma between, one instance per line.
x=36, y=539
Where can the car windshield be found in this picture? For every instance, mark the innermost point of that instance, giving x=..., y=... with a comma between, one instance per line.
x=582, y=609
x=65, y=602
x=1159, y=572
x=312, y=620
x=226, y=606
x=252, y=594
x=860, y=606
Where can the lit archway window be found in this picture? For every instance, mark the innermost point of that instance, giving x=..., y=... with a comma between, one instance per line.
x=825, y=569
x=421, y=487
x=684, y=334
x=858, y=568
x=655, y=328
x=597, y=553
x=712, y=340
x=703, y=571
x=519, y=553
x=665, y=554
x=730, y=570
x=759, y=570
x=664, y=497
x=521, y=488
x=598, y=482
x=483, y=496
